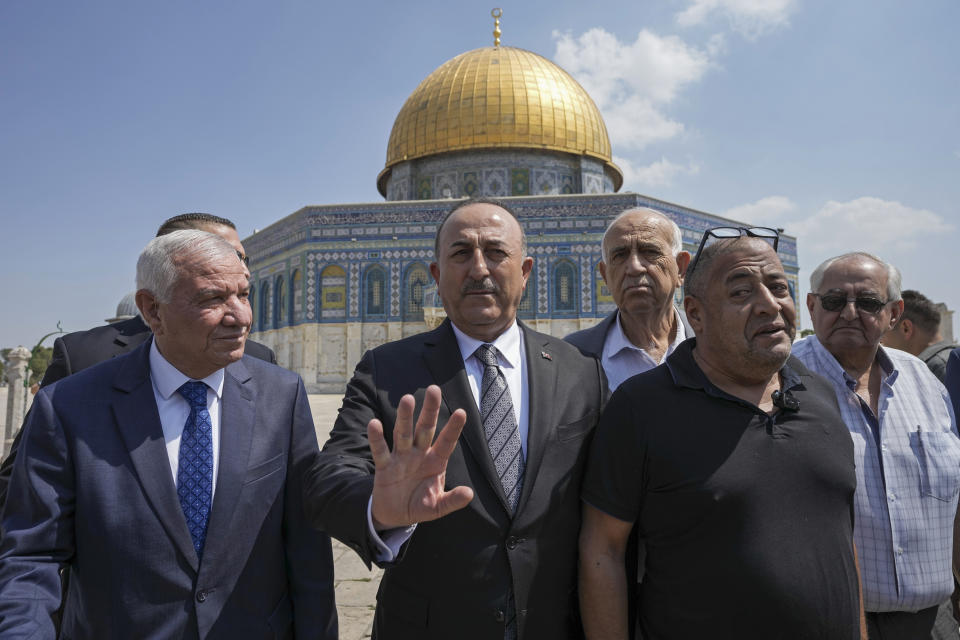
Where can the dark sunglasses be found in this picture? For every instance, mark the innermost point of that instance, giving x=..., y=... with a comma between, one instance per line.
x=244, y=259
x=771, y=236
x=836, y=302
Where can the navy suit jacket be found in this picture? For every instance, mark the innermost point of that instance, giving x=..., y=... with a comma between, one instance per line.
x=81, y=349
x=92, y=490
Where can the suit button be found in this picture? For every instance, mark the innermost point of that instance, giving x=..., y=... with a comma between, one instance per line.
x=513, y=542
x=498, y=615
x=201, y=596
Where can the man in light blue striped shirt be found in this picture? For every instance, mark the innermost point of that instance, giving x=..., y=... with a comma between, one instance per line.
x=905, y=440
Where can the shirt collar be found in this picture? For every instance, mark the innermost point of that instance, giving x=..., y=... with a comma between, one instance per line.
x=507, y=343
x=687, y=373
x=829, y=367
x=167, y=378
x=618, y=340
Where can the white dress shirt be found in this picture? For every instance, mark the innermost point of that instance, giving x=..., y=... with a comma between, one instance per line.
x=622, y=359
x=174, y=408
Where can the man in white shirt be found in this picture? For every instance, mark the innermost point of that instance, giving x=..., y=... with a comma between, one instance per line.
x=170, y=479
x=643, y=266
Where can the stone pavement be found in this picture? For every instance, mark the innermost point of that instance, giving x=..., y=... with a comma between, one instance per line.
x=356, y=587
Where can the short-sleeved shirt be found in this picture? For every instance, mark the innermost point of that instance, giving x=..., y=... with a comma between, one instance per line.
x=747, y=517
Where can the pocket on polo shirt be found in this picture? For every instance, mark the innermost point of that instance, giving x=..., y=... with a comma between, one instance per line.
x=939, y=464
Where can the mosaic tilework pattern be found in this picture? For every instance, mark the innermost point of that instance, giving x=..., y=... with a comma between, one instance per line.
x=394, y=289
x=586, y=284
x=543, y=303
x=311, y=287
x=459, y=174
x=394, y=234
x=354, y=289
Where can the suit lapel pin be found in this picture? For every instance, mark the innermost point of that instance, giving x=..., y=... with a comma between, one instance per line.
x=546, y=356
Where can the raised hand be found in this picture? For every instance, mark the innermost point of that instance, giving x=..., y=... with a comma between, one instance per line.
x=408, y=482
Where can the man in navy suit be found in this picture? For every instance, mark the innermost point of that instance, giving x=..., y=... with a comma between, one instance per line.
x=169, y=480
x=81, y=349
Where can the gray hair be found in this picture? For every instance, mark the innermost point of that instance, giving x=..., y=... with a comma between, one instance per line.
x=676, y=239
x=893, y=274
x=159, y=264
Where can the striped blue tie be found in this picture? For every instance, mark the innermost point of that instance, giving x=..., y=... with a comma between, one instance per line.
x=195, y=465
x=503, y=440
x=500, y=425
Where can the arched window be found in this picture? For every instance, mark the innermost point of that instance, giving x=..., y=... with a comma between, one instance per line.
x=264, y=305
x=279, y=302
x=564, y=287
x=296, y=303
x=375, y=291
x=333, y=292
x=413, y=286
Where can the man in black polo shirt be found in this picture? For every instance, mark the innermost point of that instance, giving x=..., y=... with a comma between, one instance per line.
x=736, y=468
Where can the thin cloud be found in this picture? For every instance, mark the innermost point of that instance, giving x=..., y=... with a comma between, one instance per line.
x=749, y=18
x=657, y=174
x=771, y=211
x=867, y=223
x=633, y=83
x=870, y=224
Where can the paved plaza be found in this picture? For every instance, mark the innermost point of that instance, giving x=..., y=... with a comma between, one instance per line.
x=356, y=586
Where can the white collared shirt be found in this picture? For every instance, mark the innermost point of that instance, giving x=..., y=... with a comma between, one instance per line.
x=622, y=359
x=174, y=408
x=512, y=363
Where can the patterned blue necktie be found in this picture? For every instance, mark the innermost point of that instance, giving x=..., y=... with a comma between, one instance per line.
x=195, y=466
x=503, y=440
x=500, y=425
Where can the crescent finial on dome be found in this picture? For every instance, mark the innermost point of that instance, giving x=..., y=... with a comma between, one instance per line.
x=496, y=13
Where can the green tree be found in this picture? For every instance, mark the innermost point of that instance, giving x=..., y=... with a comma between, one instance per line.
x=39, y=361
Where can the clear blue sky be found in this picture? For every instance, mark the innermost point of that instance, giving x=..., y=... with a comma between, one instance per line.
x=839, y=121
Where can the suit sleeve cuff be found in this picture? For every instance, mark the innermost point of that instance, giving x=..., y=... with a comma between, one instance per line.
x=386, y=544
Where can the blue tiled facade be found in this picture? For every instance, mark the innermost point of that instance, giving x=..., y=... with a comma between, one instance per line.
x=363, y=263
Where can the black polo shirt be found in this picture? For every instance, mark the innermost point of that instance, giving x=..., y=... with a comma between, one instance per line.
x=747, y=518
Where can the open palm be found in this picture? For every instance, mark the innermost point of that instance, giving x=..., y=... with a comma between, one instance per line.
x=408, y=483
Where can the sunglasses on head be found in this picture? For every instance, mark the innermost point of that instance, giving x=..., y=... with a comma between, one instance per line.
x=771, y=236
x=837, y=301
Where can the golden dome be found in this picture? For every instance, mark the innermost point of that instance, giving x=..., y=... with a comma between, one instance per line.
x=498, y=98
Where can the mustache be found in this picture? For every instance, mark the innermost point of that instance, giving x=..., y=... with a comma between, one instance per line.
x=640, y=281
x=486, y=284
